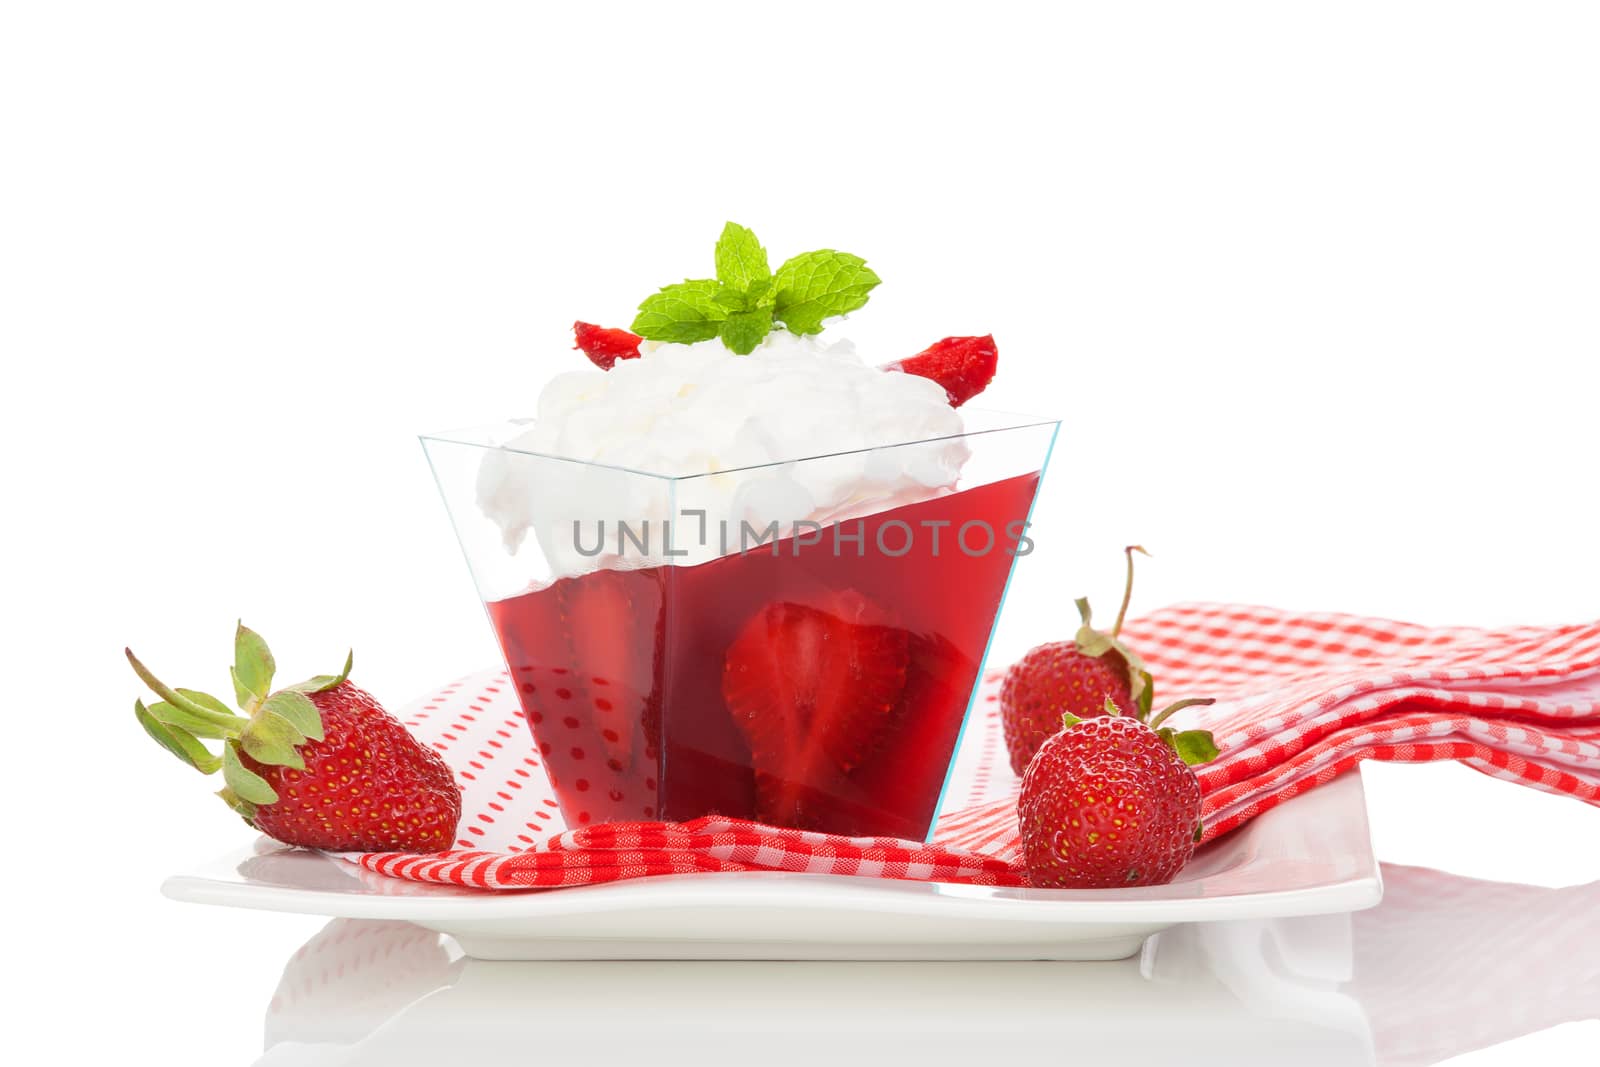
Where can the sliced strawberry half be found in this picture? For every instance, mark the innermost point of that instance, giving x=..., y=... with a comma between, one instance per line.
x=963, y=365
x=811, y=687
x=604, y=346
x=613, y=626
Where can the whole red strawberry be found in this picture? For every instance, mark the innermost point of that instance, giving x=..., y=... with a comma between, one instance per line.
x=605, y=346
x=1111, y=801
x=319, y=764
x=963, y=365
x=1075, y=678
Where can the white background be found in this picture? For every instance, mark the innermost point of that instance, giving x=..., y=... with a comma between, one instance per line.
x=1313, y=286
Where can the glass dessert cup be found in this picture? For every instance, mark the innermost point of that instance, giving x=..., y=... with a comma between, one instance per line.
x=692, y=645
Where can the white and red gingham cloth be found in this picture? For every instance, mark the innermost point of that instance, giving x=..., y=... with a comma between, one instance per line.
x=1300, y=700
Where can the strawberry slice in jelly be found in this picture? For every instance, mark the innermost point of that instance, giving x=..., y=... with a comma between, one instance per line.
x=812, y=687
x=614, y=675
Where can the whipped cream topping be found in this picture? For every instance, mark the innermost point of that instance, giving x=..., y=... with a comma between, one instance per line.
x=750, y=439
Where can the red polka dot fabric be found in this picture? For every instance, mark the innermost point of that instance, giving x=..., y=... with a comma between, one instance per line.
x=1300, y=700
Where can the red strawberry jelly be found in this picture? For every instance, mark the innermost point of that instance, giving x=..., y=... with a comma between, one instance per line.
x=621, y=673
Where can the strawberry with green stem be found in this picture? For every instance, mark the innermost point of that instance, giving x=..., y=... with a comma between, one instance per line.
x=1074, y=677
x=1112, y=801
x=319, y=764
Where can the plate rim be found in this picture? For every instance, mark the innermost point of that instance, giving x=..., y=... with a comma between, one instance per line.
x=754, y=890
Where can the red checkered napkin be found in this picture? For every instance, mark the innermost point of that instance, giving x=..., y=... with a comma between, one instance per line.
x=1301, y=700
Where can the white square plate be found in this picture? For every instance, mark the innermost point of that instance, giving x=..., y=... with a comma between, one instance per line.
x=1310, y=856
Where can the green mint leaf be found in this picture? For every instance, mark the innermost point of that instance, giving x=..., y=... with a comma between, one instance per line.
x=742, y=302
x=682, y=313
x=819, y=285
x=741, y=260
x=743, y=330
x=759, y=295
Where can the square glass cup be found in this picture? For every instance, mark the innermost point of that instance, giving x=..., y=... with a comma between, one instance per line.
x=715, y=643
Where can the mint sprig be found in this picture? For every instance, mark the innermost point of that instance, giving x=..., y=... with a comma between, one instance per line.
x=746, y=298
x=819, y=285
x=682, y=313
x=741, y=261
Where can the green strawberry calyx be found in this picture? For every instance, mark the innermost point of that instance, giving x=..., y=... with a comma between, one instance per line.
x=1096, y=644
x=273, y=726
x=1194, y=747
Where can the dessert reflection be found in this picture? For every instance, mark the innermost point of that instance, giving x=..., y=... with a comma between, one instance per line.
x=1444, y=966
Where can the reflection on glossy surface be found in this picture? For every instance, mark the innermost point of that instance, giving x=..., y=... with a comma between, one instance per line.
x=1443, y=966
x=1450, y=964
